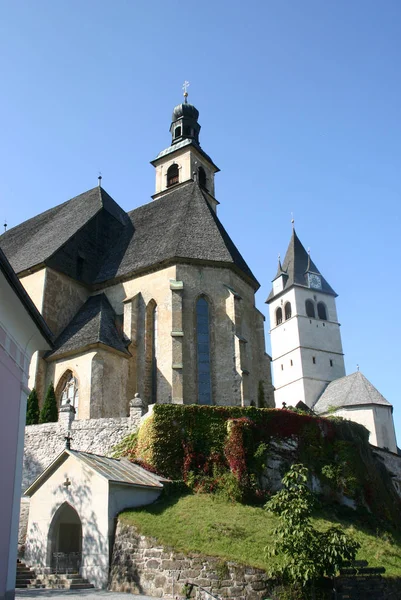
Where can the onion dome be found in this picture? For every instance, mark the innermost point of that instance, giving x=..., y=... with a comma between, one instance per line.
x=185, y=110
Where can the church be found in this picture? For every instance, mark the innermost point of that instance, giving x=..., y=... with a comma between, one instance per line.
x=157, y=301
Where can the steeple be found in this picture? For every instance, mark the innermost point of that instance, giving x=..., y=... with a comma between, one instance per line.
x=305, y=332
x=184, y=159
x=300, y=270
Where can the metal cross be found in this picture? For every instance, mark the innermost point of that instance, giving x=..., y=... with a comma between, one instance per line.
x=66, y=483
x=68, y=439
x=185, y=85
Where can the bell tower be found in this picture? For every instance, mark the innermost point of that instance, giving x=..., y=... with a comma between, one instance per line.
x=305, y=333
x=184, y=160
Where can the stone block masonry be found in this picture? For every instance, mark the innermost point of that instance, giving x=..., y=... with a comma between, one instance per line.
x=140, y=565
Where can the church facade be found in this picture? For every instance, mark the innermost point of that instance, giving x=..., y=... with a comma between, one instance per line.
x=157, y=301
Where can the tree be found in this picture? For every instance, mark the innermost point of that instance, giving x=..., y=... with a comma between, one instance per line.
x=32, y=408
x=309, y=554
x=49, y=412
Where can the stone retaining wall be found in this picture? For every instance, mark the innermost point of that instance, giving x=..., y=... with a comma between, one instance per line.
x=142, y=566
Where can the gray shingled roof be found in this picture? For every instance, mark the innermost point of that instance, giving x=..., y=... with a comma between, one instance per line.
x=113, y=469
x=352, y=390
x=179, y=225
x=297, y=263
x=94, y=323
x=35, y=240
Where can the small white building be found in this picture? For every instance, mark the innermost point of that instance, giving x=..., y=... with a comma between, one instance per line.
x=354, y=397
x=73, y=507
x=22, y=332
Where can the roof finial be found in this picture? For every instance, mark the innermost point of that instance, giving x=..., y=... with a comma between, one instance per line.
x=185, y=85
x=357, y=368
x=5, y=225
x=292, y=221
x=99, y=179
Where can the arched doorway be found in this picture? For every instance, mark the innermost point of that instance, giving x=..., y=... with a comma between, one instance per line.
x=65, y=540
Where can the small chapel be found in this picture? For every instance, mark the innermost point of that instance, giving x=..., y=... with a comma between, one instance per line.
x=157, y=301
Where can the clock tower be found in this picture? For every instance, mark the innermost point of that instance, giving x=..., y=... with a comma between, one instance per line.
x=305, y=333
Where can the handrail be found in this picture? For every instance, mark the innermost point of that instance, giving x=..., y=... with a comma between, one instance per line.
x=190, y=585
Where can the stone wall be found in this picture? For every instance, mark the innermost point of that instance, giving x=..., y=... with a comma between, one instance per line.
x=142, y=566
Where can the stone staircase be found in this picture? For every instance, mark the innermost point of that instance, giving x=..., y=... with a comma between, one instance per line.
x=358, y=581
x=28, y=579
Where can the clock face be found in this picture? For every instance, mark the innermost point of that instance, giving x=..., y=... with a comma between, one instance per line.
x=315, y=281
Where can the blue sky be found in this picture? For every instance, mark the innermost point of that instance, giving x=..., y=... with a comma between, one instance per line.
x=299, y=105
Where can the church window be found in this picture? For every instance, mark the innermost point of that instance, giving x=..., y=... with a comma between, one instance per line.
x=172, y=175
x=70, y=392
x=151, y=352
x=177, y=132
x=331, y=362
x=310, y=308
x=321, y=311
x=279, y=316
x=203, y=351
x=287, y=310
x=202, y=177
x=314, y=359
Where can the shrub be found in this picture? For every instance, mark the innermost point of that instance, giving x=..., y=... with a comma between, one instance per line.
x=49, y=412
x=32, y=408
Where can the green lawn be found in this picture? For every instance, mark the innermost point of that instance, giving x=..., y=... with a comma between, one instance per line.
x=207, y=524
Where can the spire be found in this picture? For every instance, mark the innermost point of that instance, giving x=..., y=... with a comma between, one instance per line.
x=280, y=270
x=184, y=122
x=297, y=265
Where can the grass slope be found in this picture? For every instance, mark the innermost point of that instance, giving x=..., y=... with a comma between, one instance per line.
x=209, y=525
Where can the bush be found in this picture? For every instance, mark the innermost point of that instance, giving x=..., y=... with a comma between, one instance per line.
x=49, y=412
x=32, y=408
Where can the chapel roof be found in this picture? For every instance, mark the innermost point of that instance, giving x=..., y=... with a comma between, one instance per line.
x=297, y=263
x=93, y=324
x=351, y=390
x=178, y=226
x=115, y=470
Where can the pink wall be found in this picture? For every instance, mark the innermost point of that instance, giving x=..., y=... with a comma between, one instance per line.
x=11, y=386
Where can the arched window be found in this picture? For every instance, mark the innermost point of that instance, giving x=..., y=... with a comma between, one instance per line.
x=151, y=353
x=68, y=390
x=310, y=308
x=202, y=176
x=177, y=132
x=203, y=351
x=279, y=316
x=287, y=310
x=172, y=175
x=321, y=311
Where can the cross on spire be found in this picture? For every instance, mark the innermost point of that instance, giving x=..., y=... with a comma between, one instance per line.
x=185, y=86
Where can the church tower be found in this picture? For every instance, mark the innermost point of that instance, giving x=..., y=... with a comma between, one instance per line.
x=305, y=333
x=184, y=159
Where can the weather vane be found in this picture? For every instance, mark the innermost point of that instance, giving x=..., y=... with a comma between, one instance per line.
x=185, y=86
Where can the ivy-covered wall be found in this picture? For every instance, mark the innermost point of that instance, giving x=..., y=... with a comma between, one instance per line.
x=227, y=449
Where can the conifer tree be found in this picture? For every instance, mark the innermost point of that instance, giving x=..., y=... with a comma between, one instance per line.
x=49, y=412
x=32, y=408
